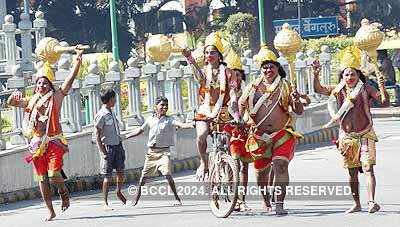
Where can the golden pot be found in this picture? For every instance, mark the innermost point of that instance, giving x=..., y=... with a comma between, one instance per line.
x=288, y=42
x=158, y=47
x=49, y=50
x=368, y=38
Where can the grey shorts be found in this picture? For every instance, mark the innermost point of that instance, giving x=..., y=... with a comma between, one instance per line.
x=115, y=159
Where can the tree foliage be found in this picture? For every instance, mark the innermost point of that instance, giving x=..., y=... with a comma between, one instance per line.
x=240, y=27
x=87, y=21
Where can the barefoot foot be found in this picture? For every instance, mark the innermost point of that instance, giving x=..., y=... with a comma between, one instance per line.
x=268, y=209
x=241, y=206
x=279, y=211
x=177, y=203
x=64, y=200
x=135, y=202
x=50, y=218
x=373, y=207
x=106, y=207
x=353, y=209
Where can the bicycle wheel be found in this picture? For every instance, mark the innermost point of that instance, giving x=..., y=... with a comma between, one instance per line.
x=224, y=180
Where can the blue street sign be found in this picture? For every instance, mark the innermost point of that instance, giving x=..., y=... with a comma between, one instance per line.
x=313, y=26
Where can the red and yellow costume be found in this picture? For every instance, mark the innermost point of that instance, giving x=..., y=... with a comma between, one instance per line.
x=41, y=124
x=260, y=147
x=222, y=86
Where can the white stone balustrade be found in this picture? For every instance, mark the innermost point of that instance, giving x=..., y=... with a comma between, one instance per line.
x=325, y=59
x=9, y=28
x=160, y=84
x=114, y=76
x=9, y=50
x=247, y=61
x=132, y=77
x=17, y=82
x=174, y=75
x=40, y=25
x=150, y=72
x=71, y=109
x=300, y=68
x=311, y=57
x=3, y=10
x=285, y=65
x=192, y=87
x=92, y=83
x=25, y=26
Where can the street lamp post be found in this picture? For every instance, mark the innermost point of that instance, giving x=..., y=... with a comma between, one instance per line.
x=299, y=14
x=114, y=31
x=261, y=19
x=26, y=7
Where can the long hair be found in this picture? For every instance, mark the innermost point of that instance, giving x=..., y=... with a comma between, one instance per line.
x=281, y=71
x=361, y=75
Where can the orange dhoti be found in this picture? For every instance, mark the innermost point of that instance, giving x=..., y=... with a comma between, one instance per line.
x=50, y=163
x=237, y=143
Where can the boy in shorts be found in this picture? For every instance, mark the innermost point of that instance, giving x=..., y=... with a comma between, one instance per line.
x=160, y=140
x=108, y=139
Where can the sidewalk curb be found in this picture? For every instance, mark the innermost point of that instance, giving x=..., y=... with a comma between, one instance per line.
x=386, y=112
x=320, y=136
x=385, y=115
x=133, y=175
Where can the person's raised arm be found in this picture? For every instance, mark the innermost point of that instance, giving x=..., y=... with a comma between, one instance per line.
x=67, y=84
x=198, y=74
x=295, y=102
x=318, y=87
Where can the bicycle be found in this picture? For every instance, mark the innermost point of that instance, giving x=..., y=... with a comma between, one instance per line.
x=224, y=174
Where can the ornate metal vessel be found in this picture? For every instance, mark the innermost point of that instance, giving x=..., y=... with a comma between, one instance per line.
x=288, y=42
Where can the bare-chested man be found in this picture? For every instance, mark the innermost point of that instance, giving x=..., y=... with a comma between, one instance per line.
x=356, y=134
x=47, y=145
x=268, y=101
x=218, y=90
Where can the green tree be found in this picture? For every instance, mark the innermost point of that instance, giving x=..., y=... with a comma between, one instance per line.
x=240, y=27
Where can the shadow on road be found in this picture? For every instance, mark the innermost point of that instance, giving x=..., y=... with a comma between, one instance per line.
x=195, y=211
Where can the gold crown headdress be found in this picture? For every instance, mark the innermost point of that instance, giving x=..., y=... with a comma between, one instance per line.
x=350, y=57
x=233, y=61
x=214, y=39
x=263, y=55
x=46, y=71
